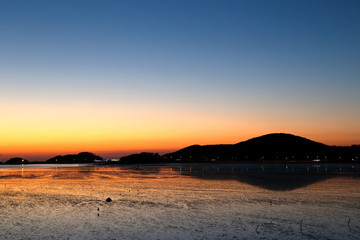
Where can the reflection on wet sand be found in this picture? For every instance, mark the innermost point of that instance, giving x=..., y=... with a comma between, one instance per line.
x=179, y=201
x=268, y=176
x=277, y=177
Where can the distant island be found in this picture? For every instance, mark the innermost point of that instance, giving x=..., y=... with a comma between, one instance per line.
x=17, y=160
x=275, y=147
x=83, y=157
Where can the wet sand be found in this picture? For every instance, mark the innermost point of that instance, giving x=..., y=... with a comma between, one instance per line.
x=177, y=202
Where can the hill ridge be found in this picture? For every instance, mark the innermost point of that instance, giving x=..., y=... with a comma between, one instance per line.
x=268, y=147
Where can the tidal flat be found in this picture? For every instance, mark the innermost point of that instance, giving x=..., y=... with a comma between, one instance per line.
x=181, y=201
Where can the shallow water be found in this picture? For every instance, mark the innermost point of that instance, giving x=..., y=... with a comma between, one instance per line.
x=181, y=201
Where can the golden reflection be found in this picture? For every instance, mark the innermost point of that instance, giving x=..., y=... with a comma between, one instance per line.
x=91, y=177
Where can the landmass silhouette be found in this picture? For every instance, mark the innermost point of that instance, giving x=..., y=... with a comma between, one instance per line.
x=274, y=147
x=17, y=160
x=83, y=157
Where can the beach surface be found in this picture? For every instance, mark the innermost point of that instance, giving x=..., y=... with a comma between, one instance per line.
x=180, y=201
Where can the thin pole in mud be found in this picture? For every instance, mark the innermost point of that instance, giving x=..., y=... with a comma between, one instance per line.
x=349, y=225
x=301, y=225
x=256, y=230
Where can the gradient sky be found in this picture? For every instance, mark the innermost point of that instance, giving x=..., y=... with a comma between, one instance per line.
x=127, y=76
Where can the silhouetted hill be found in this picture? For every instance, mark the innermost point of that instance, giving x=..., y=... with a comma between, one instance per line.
x=17, y=160
x=83, y=157
x=143, y=157
x=270, y=147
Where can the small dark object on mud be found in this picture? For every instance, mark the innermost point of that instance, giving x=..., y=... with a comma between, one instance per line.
x=108, y=199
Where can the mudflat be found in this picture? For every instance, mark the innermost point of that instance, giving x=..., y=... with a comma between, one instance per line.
x=181, y=201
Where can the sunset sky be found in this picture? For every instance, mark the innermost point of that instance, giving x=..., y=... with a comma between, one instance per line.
x=119, y=77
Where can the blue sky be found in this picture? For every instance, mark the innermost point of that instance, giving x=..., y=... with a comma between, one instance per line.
x=237, y=59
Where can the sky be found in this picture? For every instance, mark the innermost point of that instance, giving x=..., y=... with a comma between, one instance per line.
x=120, y=77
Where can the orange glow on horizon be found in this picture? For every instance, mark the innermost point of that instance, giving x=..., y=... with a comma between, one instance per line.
x=46, y=129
